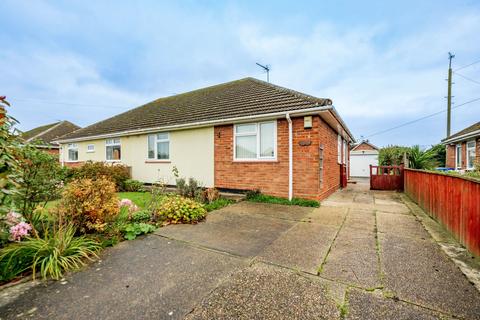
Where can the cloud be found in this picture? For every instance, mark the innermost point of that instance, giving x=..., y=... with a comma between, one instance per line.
x=378, y=74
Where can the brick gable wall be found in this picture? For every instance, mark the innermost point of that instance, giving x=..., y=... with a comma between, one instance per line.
x=272, y=177
x=364, y=146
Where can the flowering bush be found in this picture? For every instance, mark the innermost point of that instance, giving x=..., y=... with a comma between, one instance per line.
x=177, y=209
x=95, y=170
x=90, y=204
x=20, y=230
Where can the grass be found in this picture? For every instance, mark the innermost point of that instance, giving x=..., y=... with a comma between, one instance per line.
x=217, y=204
x=141, y=199
x=276, y=200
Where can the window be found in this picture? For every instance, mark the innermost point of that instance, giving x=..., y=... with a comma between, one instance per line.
x=344, y=152
x=255, y=141
x=470, y=154
x=458, y=156
x=114, y=149
x=91, y=148
x=339, y=149
x=72, y=149
x=159, y=146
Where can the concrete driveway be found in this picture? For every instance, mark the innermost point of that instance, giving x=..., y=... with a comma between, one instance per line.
x=362, y=255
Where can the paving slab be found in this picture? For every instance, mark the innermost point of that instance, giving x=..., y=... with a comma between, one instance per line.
x=149, y=278
x=353, y=258
x=302, y=247
x=400, y=225
x=278, y=211
x=418, y=271
x=331, y=216
x=236, y=233
x=360, y=219
x=371, y=305
x=266, y=292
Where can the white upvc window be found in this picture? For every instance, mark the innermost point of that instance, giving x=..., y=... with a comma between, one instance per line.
x=159, y=146
x=255, y=141
x=91, y=148
x=470, y=154
x=113, y=149
x=72, y=149
x=458, y=156
x=339, y=149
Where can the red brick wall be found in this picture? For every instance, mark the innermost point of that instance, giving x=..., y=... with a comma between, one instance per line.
x=272, y=177
x=450, y=160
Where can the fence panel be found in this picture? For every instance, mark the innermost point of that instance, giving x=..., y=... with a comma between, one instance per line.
x=453, y=201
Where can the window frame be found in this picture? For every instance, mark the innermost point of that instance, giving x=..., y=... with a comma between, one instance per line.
x=93, y=148
x=72, y=146
x=471, y=166
x=258, y=138
x=113, y=144
x=156, y=146
x=339, y=149
x=458, y=156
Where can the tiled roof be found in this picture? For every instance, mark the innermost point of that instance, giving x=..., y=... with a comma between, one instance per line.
x=472, y=128
x=244, y=97
x=50, y=132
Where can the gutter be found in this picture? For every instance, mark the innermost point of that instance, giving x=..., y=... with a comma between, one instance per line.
x=290, y=157
x=301, y=112
x=462, y=137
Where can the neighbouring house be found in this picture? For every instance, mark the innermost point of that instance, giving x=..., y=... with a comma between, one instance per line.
x=362, y=156
x=44, y=137
x=240, y=135
x=463, y=148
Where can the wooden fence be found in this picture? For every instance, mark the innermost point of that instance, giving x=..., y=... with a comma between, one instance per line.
x=453, y=201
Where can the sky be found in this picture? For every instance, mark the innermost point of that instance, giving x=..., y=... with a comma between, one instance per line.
x=383, y=63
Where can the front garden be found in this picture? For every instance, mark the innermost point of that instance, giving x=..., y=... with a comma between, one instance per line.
x=55, y=219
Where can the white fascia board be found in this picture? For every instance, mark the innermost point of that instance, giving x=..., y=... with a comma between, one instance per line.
x=463, y=137
x=267, y=116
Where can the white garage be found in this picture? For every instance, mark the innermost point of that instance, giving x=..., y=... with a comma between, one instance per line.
x=361, y=157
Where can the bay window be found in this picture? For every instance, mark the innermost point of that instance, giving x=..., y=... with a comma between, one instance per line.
x=470, y=154
x=255, y=141
x=72, y=149
x=113, y=149
x=159, y=146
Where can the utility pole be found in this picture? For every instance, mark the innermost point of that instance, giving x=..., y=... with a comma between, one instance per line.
x=449, y=97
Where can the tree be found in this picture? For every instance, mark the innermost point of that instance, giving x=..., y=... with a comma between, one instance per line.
x=419, y=159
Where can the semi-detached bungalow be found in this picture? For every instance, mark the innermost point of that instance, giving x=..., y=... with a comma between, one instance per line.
x=240, y=135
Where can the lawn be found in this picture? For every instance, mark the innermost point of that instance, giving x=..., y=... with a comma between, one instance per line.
x=141, y=199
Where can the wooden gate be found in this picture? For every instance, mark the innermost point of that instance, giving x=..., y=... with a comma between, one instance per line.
x=386, y=177
x=343, y=176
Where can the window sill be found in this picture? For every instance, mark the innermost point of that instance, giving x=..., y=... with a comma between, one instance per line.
x=255, y=161
x=158, y=161
x=72, y=161
x=90, y=151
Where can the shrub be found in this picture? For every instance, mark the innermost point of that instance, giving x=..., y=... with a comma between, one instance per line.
x=177, y=209
x=133, y=230
x=132, y=185
x=9, y=147
x=392, y=155
x=217, y=204
x=419, y=159
x=191, y=189
x=141, y=216
x=55, y=253
x=39, y=177
x=210, y=194
x=90, y=204
x=95, y=170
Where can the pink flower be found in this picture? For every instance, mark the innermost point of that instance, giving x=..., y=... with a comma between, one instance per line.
x=20, y=230
x=126, y=203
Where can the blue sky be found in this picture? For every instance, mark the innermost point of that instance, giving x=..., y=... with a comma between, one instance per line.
x=382, y=63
